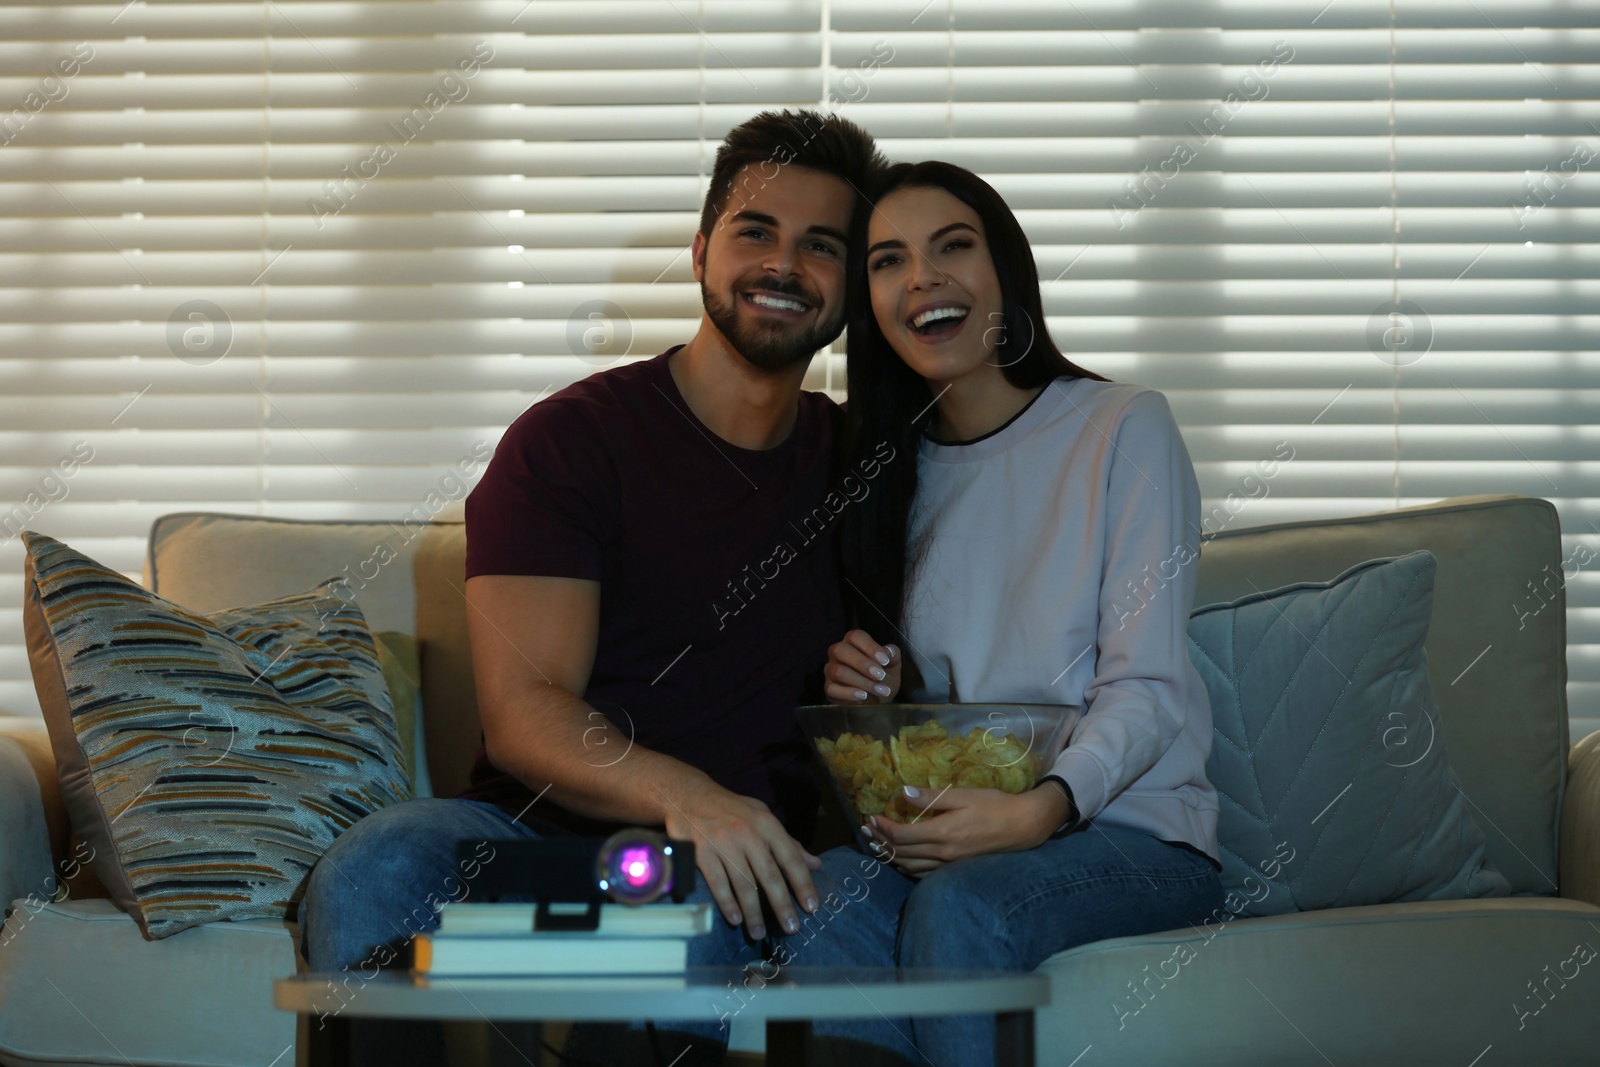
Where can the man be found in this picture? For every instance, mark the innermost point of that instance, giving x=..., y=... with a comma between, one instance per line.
x=648, y=587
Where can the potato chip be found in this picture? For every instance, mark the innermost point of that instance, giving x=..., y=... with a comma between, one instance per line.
x=924, y=755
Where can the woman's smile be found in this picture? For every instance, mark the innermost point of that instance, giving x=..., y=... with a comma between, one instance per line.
x=937, y=322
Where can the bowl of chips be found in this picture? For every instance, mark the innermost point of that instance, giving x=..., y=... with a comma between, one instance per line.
x=869, y=751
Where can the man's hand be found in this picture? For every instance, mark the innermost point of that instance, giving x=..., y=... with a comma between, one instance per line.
x=956, y=823
x=533, y=645
x=742, y=851
x=861, y=671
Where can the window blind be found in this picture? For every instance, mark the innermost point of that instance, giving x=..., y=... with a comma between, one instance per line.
x=301, y=259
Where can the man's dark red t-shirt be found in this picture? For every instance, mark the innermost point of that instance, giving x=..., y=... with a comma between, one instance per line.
x=717, y=578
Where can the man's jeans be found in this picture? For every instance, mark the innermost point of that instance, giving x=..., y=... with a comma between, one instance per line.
x=383, y=879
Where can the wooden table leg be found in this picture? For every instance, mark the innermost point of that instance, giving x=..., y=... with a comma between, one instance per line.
x=1013, y=1038
x=786, y=1042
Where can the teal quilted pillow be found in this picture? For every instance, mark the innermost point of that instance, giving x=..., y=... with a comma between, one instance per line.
x=1332, y=775
x=206, y=762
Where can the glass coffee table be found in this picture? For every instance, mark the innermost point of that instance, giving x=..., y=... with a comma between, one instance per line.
x=786, y=1003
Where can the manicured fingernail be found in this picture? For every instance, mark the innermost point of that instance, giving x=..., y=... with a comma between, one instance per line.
x=912, y=791
x=860, y=695
x=881, y=690
x=883, y=658
x=878, y=673
x=758, y=932
x=867, y=829
x=811, y=903
x=790, y=925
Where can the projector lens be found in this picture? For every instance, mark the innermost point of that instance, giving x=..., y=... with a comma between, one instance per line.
x=633, y=866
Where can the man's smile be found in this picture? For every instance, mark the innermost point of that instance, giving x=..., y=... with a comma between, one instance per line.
x=775, y=303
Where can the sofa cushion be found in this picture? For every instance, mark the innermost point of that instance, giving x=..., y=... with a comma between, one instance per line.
x=1395, y=985
x=207, y=762
x=449, y=690
x=1334, y=789
x=193, y=558
x=79, y=984
x=26, y=869
x=402, y=677
x=1500, y=678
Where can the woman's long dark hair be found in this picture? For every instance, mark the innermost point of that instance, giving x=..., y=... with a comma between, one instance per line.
x=889, y=402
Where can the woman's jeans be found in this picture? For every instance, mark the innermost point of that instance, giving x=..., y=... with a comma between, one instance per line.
x=383, y=879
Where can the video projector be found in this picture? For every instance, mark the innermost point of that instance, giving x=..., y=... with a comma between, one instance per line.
x=633, y=866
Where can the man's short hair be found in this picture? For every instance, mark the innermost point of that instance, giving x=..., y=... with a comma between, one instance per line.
x=775, y=139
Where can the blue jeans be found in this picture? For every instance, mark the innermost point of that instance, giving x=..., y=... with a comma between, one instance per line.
x=1002, y=911
x=382, y=880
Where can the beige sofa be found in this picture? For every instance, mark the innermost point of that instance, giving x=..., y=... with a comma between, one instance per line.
x=1397, y=984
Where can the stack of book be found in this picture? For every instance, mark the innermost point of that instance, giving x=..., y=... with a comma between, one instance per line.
x=499, y=940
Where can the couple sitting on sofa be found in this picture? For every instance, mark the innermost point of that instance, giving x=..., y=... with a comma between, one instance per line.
x=665, y=558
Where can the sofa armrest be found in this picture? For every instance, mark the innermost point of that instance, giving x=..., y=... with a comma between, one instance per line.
x=27, y=864
x=1580, y=823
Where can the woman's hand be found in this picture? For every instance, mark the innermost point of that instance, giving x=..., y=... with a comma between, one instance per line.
x=861, y=671
x=956, y=823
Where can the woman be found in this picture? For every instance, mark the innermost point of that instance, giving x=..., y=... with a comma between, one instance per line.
x=1034, y=543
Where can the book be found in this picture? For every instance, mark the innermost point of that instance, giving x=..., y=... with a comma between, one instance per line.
x=616, y=920
x=507, y=955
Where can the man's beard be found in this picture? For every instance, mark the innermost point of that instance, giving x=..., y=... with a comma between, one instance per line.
x=769, y=346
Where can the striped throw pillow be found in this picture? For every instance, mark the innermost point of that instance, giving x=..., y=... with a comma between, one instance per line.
x=207, y=762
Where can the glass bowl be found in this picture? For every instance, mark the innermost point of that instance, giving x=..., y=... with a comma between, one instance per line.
x=1001, y=745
